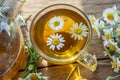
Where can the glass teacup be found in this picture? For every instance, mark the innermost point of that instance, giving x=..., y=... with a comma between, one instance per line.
x=43, y=34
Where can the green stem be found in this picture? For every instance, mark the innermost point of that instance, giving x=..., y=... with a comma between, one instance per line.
x=116, y=76
x=23, y=75
x=107, y=52
x=112, y=26
x=32, y=60
x=103, y=63
x=100, y=18
x=1, y=3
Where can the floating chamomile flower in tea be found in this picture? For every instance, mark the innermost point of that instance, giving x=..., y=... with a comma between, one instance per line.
x=78, y=31
x=56, y=23
x=111, y=16
x=55, y=41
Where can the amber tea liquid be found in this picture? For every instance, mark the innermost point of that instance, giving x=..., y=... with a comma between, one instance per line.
x=42, y=31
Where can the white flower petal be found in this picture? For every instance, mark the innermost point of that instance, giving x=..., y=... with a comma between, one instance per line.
x=59, y=36
x=116, y=70
x=49, y=43
x=58, y=47
x=62, y=39
x=20, y=79
x=61, y=44
x=80, y=37
x=50, y=39
x=52, y=47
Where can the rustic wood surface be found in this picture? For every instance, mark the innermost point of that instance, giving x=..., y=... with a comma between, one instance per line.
x=55, y=72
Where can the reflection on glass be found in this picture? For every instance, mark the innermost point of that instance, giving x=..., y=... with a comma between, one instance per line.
x=88, y=61
x=11, y=41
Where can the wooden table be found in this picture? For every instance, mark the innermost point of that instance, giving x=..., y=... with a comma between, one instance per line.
x=56, y=72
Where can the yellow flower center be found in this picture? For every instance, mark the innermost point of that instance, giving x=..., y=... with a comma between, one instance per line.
x=33, y=76
x=112, y=47
x=56, y=23
x=55, y=41
x=110, y=16
x=107, y=36
x=94, y=30
x=93, y=21
x=114, y=64
x=31, y=67
x=78, y=31
x=21, y=19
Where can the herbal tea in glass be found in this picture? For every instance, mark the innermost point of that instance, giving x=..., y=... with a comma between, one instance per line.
x=60, y=33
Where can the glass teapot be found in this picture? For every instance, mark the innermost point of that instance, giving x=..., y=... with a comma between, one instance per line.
x=61, y=34
x=11, y=40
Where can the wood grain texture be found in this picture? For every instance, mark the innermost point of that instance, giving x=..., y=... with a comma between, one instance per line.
x=61, y=72
x=32, y=7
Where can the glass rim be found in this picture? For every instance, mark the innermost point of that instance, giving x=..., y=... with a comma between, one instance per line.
x=51, y=59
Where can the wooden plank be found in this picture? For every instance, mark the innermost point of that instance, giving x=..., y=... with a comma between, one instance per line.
x=31, y=7
x=61, y=72
x=88, y=6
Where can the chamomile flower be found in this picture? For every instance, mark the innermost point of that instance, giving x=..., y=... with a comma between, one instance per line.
x=55, y=41
x=115, y=63
x=107, y=35
x=34, y=76
x=93, y=20
x=56, y=23
x=101, y=24
x=99, y=27
x=78, y=31
x=111, y=16
x=95, y=24
x=105, y=53
x=112, y=45
x=97, y=30
x=21, y=20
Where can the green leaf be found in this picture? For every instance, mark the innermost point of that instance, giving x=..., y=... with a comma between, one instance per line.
x=117, y=54
x=109, y=78
x=118, y=44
